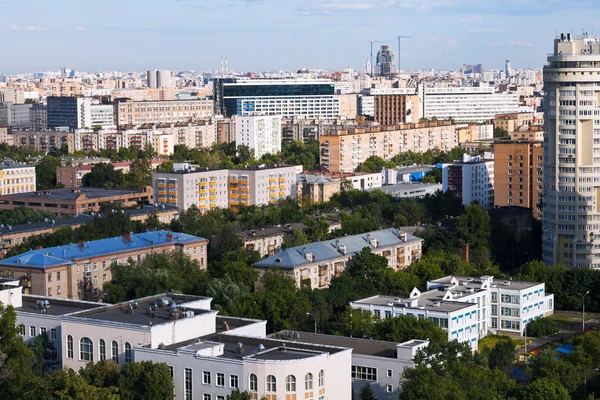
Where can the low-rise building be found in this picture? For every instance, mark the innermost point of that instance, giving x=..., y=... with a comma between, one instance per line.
x=412, y=190
x=471, y=179
x=413, y=173
x=267, y=241
x=187, y=186
x=71, y=176
x=320, y=188
x=473, y=133
x=319, y=262
x=78, y=271
x=68, y=202
x=468, y=308
x=17, y=178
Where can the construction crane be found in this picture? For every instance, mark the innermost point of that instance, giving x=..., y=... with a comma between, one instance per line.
x=373, y=41
x=399, y=47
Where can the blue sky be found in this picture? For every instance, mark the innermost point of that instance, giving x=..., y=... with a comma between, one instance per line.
x=39, y=35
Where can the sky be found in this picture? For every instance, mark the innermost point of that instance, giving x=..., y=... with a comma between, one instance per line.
x=260, y=35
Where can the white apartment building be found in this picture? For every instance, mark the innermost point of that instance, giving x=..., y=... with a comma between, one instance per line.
x=113, y=139
x=571, y=153
x=17, y=178
x=15, y=116
x=470, y=104
x=468, y=308
x=187, y=186
x=102, y=116
x=471, y=179
x=261, y=133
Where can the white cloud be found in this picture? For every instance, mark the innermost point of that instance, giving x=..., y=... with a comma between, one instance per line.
x=520, y=43
x=80, y=28
x=29, y=28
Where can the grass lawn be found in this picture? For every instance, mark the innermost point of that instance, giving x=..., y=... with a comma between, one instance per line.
x=491, y=341
x=567, y=319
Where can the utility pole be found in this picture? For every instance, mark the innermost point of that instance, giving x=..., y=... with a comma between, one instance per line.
x=399, y=47
x=583, y=312
x=373, y=41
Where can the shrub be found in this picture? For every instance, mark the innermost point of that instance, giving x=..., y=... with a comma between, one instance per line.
x=541, y=327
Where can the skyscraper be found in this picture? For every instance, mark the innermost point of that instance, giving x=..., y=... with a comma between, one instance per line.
x=151, y=78
x=571, y=201
x=508, y=69
x=158, y=78
x=386, y=61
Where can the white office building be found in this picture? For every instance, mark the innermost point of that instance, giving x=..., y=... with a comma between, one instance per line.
x=468, y=308
x=102, y=115
x=465, y=104
x=471, y=179
x=261, y=133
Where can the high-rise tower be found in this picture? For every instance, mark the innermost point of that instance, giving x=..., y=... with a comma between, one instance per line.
x=571, y=232
x=386, y=61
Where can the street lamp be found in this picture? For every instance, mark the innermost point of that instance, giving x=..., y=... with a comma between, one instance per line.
x=583, y=312
x=315, y=317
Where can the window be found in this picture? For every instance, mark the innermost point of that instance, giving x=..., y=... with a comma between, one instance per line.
x=290, y=384
x=187, y=385
x=171, y=370
x=58, y=276
x=389, y=388
x=494, y=297
x=102, y=350
x=128, y=353
x=377, y=314
x=253, y=383
x=53, y=334
x=271, y=384
x=220, y=397
x=206, y=396
x=32, y=331
x=115, y=352
x=69, y=346
x=42, y=330
x=308, y=381
x=220, y=379
x=86, y=349
x=234, y=381
x=22, y=329
x=206, y=377
x=321, y=378
x=364, y=373
x=389, y=373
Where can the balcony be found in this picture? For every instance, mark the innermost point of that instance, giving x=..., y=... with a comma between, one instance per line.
x=234, y=203
x=212, y=197
x=245, y=196
x=245, y=182
x=234, y=181
x=245, y=189
x=202, y=191
x=162, y=185
x=282, y=193
x=172, y=201
x=281, y=178
x=162, y=192
x=272, y=180
x=281, y=186
x=172, y=186
x=162, y=200
x=272, y=202
x=213, y=205
x=213, y=190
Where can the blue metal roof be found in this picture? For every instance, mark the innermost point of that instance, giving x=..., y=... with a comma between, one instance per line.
x=295, y=257
x=69, y=254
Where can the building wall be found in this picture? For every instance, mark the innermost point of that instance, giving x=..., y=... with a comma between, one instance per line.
x=518, y=169
x=261, y=133
x=17, y=179
x=129, y=112
x=391, y=109
x=471, y=181
x=348, y=105
x=38, y=118
x=43, y=141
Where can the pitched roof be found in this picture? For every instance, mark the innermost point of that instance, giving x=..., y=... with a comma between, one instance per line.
x=68, y=254
x=295, y=257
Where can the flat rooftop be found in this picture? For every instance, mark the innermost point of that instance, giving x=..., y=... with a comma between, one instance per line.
x=56, y=306
x=432, y=300
x=73, y=194
x=468, y=282
x=140, y=314
x=272, y=231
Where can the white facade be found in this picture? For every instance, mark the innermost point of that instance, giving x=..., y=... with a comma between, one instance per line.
x=102, y=115
x=158, y=78
x=469, y=308
x=571, y=153
x=19, y=178
x=472, y=180
x=261, y=133
x=473, y=104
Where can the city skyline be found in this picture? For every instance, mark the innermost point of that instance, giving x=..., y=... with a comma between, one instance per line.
x=257, y=35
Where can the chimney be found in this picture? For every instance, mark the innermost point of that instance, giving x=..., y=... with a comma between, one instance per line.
x=38, y=247
x=170, y=237
x=342, y=249
x=127, y=237
x=226, y=325
x=465, y=252
x=308, y=256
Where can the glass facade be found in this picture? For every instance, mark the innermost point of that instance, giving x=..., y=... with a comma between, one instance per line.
x=62, y=112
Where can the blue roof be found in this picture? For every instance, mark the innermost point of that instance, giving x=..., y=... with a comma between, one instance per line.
x=69, y=254
x=294, y=257
x=566, y=349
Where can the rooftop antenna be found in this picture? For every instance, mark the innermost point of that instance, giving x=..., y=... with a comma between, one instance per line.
x=399, y=47
x=373, y=41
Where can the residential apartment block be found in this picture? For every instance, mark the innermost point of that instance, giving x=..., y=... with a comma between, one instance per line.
x=514, y=122
x=187, y=186
x=15, y=116
x=112, y=139
x=469, y=308
x=68, y=202
x=319, y=262
x=471, y=179
x=261, y=133
x=466, y=104
x=130, y=113
x=391, y=106
x=518, y=175
x=473, y=133
x=38, y=117
x=17, y=178
x=78, y=271
x=320, y=188
x=69, y=112
x=345, y=150
x=44, y=141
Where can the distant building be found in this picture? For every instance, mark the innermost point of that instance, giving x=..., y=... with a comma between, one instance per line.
x=319, y=188
x=69, y=112
x=78, y=271
x=71, y=176
x=129, y=113
x=68, y=202
x=102, y=116
x=38, y=117
x=15, y=116
x=17, y=178
x=187, y=186
x=44, y=141
x=391, y=106
x=261, y=133
x=468, y=309
x=385, y=62
x=414, y=190
x=158, y=78
x=518, y=175
x=471, y=179
x=319, y=262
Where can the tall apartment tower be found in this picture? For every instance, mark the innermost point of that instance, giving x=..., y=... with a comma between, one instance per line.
x=571, y=204
x=508, y=69
x=261, y=133
x=151, y=77
x=158, y=78
x=386, y=61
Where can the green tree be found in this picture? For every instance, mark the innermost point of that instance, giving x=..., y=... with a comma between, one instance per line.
x=502, y=355
x=103, y=175
x=66, y=384
x=366, y=393
x=237, y=395
x=23, y=215
x=45, y=172
x=544, y=389
x=541, y=327
x=405, y=327
x=500, y=132
x=145, y=380
x=433, y=176
x=374, y=164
